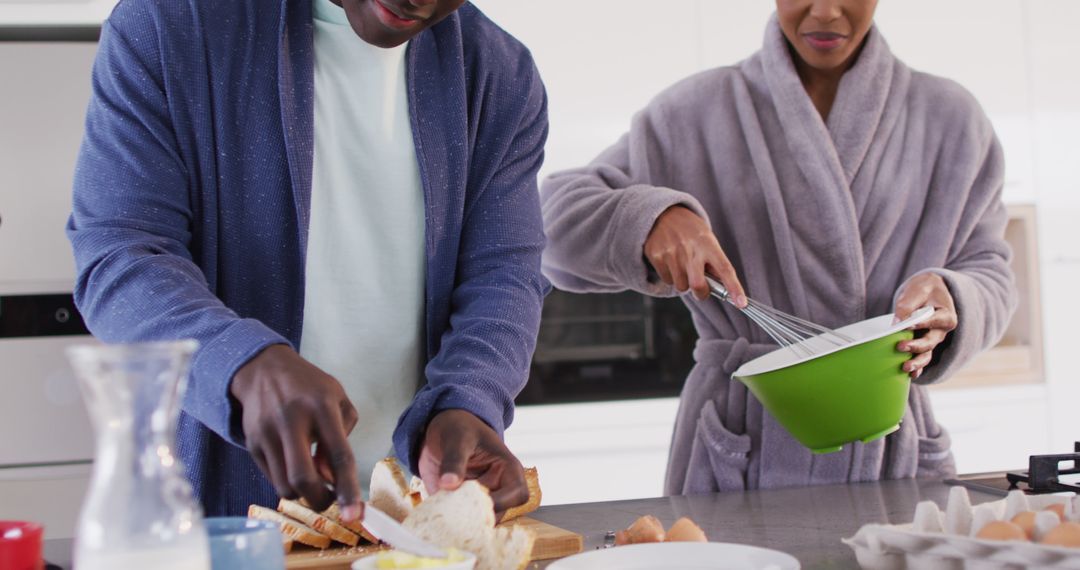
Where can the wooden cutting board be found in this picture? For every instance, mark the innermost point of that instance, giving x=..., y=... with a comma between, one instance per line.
x=551, y=542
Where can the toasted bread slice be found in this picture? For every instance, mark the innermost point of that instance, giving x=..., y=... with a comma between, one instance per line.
x=389, y=491
x=318, y=522
x=334, y=514
x=532, y=480
x=291, y=528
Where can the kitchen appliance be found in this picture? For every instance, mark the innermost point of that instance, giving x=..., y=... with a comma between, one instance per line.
x=140, y=511
x=48, y=445
x=1051, y=473
x=801, y=336
x=610, y=346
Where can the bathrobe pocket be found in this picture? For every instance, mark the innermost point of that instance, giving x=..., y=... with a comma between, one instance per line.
x=935, y=456
x=718, y=457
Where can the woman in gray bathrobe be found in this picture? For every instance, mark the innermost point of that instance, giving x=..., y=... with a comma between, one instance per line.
x=839, y=184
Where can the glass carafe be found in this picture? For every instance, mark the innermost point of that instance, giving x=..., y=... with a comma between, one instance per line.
x=139, y=511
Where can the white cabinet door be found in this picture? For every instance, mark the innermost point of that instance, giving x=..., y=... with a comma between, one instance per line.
x=995, y=429
x=601, y=451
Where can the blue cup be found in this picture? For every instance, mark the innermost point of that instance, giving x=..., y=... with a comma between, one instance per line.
x=238, y=543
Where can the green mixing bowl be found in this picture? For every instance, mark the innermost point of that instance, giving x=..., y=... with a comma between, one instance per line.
x=841, y=394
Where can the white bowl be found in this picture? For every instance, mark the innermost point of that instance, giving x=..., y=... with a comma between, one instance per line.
x=368, y=562
x=682, y=555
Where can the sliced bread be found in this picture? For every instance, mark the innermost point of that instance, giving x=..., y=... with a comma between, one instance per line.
x=291, y=528
x=390, y=492
x=334, y=514
x=319, y=522
x=532, y=480
x=465, y=519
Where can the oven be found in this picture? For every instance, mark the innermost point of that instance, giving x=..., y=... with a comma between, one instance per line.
x=602, y=347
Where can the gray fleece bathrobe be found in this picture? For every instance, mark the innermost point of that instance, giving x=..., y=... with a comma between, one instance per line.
x=822, y=219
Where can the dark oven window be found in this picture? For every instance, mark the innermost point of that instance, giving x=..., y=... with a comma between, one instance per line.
x=610, y=347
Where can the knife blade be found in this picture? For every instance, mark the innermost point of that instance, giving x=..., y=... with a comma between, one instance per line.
x=383, y=527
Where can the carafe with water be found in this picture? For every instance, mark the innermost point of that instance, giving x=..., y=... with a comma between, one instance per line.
x=139, y=512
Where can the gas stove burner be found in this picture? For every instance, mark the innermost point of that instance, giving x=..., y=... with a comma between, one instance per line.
x=1044, y=473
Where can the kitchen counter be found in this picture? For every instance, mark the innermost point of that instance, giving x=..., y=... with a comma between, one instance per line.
x=806, y=522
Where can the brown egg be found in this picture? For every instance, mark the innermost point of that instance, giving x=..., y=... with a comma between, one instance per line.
x=1001, y=530
x=646, y=529
x=1026, y=521
x=1057, y=508
x=622, y=537
x=685, y=530
x=1064, y=534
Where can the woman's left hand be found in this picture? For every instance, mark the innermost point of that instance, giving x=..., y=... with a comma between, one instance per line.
x=927, y=289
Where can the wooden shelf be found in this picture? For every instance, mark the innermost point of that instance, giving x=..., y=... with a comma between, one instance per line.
x=1018, y=358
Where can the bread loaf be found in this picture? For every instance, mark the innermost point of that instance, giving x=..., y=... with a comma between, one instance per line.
x=465, y=519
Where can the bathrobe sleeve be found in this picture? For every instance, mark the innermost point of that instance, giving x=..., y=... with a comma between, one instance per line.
x=131, y=225
x=484, y=357
x=977, y=270
x=598, y=217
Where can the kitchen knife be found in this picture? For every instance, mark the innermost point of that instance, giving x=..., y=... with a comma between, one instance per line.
x=388, y=530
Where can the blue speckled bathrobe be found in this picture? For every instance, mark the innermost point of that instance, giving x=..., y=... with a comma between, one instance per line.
x=192, y=198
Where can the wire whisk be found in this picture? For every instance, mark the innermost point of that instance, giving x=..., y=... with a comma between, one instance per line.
x=801, y=336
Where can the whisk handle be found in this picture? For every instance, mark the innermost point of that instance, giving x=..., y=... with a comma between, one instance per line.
x=718, y=289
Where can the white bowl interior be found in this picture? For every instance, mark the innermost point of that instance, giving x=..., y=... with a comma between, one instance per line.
x=860, y=332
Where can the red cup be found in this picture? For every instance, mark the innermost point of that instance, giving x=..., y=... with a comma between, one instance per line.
x=20, y=546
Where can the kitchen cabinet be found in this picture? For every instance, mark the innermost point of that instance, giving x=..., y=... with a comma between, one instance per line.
x=618, y=450
x=47, y=442
x=596, y=451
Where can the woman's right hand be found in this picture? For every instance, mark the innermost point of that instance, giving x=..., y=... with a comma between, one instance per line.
x=682, y=249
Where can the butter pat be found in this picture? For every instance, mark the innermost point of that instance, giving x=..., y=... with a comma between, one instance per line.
x=395, y=560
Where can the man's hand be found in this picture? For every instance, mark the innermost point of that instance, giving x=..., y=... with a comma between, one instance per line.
x=682, y=249
x=288, y=405
x=927, y=289
x=459, y=446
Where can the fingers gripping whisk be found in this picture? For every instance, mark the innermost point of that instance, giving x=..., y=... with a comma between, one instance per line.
x=788, y=331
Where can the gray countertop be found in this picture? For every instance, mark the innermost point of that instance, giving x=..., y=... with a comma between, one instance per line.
x=806, y=522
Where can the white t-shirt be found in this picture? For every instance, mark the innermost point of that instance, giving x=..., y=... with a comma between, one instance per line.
x=364, y=287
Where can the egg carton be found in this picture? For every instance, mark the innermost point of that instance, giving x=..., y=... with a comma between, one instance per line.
x=946, y=541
